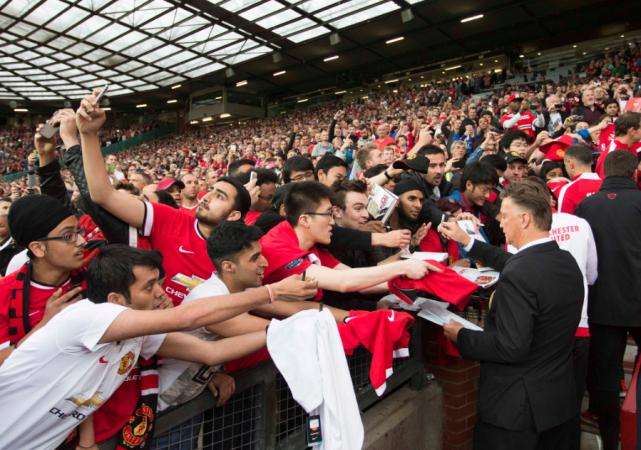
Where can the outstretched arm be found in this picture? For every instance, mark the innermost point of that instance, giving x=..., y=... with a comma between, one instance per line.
x=90, y=118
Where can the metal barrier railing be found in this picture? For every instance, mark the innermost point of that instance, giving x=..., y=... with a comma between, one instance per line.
x=262, y=413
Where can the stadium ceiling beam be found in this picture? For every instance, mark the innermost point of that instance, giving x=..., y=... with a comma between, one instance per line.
x=333, y=29
x=404, y=5
x=277, y=42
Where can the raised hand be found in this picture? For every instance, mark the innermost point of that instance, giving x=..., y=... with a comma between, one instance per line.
x=89, y=116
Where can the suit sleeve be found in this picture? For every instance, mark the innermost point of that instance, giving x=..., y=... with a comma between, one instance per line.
x=514, y=310
x=492, y=256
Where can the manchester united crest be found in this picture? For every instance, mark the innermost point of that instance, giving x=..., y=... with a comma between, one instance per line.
x=125, y=363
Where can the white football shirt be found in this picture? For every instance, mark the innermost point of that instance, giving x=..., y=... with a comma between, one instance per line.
x=181, y=381
x=61, y=374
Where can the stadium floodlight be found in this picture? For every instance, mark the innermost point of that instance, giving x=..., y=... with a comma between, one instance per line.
x=176, y=86
x=173, y=100
x=303, y=100
x=339, y=92
x=394, y=40
x=141, y=105
x=241, y=83
x=277, y=74
x=20, y=110
x=208, y=119
x=225, y=115
x=331, y=58
x=471, y=18
x=453, y=67
x=394, y=80
x=193, y=122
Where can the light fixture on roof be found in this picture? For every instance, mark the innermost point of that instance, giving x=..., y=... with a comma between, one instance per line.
x=585, y=53
x=241, y=83
x=220, y=97
x=208, y=119
x=141, y=105
x=394, y=40
x=481, y=64
x=407, y=15
x=496, y=60
x=498, y=70
x=339, y=92
x=225, y=115
x=302, y=100
x=574, y=46
x=277, y=74
x=538, y=53
x=193, y=122
x=521, y=56
x=393, y=80
x=20, y=110
x=331, y=58
x=471, y=18
x=623, y=35
x=173, y=100
x=365, y=97
x=176, y=86
x=453, y=67
x=107, y=108
x=395, y=91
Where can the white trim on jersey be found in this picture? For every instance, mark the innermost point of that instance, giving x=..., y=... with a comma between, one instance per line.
x=148, y=222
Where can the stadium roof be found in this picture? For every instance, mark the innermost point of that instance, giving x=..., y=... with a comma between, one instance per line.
x=57, y=49
x=52, y=50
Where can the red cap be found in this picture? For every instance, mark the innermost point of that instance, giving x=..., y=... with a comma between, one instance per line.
x=555, y=150
x=168, y=183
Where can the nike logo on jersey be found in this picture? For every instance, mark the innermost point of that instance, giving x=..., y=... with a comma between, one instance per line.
x=182, y=250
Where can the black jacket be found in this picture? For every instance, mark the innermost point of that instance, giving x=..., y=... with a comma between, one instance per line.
x=525, y=349
x=614, y=213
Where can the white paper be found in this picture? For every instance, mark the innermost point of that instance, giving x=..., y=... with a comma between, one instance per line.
x=485, y=277
x=437, y=312
x=432, y=256
x=471, y=229
x=431, y=310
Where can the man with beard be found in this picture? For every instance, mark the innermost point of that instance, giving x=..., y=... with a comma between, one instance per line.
x=189, y=194
x=178, y=236
x=408, y=210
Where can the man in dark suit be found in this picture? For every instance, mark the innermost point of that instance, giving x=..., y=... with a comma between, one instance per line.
x=614, y=310
x=527, y=396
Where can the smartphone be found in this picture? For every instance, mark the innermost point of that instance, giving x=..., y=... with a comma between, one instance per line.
x=48, y=131
x=103, y=92
x=253, y=176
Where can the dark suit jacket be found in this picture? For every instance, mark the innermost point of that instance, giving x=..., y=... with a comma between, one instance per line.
x=614, y=214
x=525, y=349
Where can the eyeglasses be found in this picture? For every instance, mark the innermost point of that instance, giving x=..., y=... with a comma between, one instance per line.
x=325, y=214
x=70, y=237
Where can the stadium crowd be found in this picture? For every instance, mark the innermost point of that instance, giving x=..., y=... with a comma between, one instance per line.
x=188, y=246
